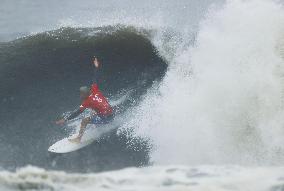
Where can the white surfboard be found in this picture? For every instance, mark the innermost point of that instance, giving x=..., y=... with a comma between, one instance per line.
x=91, y=134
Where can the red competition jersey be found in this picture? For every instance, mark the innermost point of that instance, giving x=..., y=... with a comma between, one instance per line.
x=97, y=102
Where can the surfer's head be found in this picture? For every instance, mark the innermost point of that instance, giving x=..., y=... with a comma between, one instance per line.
x=84, y=92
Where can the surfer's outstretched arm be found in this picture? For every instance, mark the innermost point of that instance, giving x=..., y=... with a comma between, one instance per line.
x=71, y=116
x=74, y=114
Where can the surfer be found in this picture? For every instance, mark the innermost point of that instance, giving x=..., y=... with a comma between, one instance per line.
x=93, y=99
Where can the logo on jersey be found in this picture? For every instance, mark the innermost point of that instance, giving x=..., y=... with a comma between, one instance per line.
x=97, y=98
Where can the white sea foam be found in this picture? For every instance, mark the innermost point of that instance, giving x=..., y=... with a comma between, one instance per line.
x=221, y=100
x=164, y=178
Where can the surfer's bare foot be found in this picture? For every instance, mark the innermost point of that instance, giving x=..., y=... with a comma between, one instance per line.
x=75, y=140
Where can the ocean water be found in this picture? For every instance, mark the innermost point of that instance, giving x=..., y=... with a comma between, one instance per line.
x=204, y=81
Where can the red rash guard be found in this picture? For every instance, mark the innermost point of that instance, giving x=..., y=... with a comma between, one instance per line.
x=97, y=102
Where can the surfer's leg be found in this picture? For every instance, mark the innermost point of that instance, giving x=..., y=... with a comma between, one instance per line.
x=84, y=124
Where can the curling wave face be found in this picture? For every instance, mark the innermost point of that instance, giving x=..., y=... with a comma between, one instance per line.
x=40, y=77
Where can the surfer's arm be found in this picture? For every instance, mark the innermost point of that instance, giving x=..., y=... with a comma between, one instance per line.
x=71, y=116
x=74, y=114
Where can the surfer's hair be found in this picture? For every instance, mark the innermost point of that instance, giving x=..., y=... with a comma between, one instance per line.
x=85, y=89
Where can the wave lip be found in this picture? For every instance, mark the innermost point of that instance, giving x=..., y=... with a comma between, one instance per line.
x=150, y=178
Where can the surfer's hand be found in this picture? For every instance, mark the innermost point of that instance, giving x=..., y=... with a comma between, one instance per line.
x=60, y=122
x=96, y=63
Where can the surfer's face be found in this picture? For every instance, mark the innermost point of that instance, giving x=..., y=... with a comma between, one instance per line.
x=83, y=95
